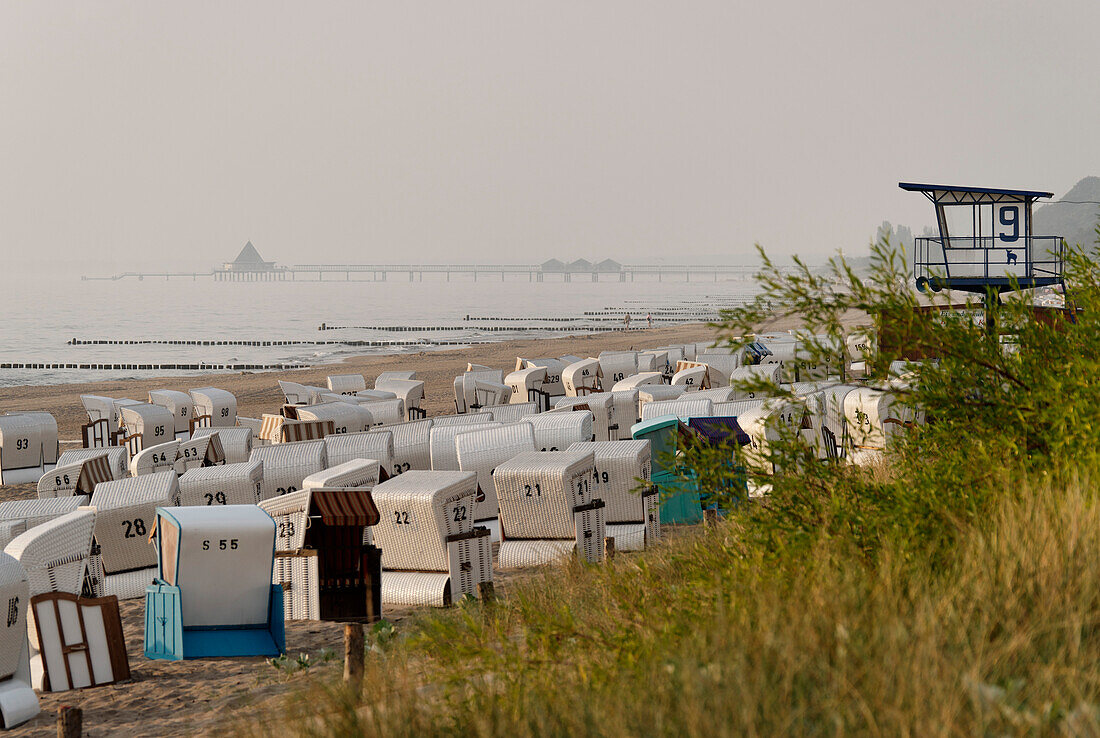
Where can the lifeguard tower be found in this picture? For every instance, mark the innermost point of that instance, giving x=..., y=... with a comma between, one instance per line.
x=985, y=244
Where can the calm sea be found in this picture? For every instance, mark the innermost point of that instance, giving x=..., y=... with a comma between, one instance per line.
x=42, y=317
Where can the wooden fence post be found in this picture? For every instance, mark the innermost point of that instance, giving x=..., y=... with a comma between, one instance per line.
x=710, y=517
x=609, y=548
x=70, y=722
x=354, y=653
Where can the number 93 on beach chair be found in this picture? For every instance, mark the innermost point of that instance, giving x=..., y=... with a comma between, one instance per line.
x=203, y=554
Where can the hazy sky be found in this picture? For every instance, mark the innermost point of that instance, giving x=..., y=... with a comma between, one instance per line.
x=135, y=133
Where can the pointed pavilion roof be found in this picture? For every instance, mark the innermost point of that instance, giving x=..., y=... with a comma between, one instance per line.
x=249, y=255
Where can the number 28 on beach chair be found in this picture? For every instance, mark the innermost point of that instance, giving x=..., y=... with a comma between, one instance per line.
x=202, y=554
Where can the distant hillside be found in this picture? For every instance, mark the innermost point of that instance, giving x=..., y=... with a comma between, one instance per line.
x=1070, y=220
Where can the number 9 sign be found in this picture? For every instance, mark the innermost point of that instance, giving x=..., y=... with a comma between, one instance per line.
x=1008, y=223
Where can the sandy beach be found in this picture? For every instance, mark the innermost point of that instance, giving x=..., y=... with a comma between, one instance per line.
x=212, y=696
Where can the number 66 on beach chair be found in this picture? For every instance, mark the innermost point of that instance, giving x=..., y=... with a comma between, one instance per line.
x=203, y=553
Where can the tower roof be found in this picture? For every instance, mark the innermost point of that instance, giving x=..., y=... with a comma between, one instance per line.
x=249, y=255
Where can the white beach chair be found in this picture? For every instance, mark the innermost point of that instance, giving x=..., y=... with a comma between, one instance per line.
x=412, y=447
x=676, y=353
x=582, y=377
x=465, y=386
x=346, y=384
x=464, y=419
x=634, y=381
x=28, y=446
x=202, y=450
x=734, y=408
x=18, y=702
x=224, y=484
x=718, y=394
x=214, y=407
x=125, y=512
x=361, y=474
x=180, y=405
x=386, y=412
x=146, y=425
x=684, y=408
x=633, y=515
x=552, y=384
x=103, y=412
x=600, y=405
x=873, y=418
x=559, y=431
x=720, y=366
x=481, y=450
x=654, y=392
x=547, y=509
x=373, y=394
x=618, y=365
x=235, y=442
x=118, y=459
x=357, y=473
x=692, y=376
x=772, y=373
x=287, y=464
x=324, y=560
x=55, y=552
x=484, y=392
x=431, y=552
x=153, y=459
x=526, y=386
x=346, y=417
x=401, y=374
x=255, y=426
x=766, y=424
x=409, y=391
x=78, y=478
x=19, y=516
x=375, y=444
x=658, y=362
x=300, y=394
x=55, y=557
x=834, y=430
x=511, y=413
x=441, y=442
x=624, y=412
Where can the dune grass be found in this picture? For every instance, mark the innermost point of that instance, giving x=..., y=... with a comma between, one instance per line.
x=701, y=636
x=953, y=590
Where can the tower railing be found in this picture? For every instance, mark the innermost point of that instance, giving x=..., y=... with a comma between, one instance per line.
x=965, y=260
